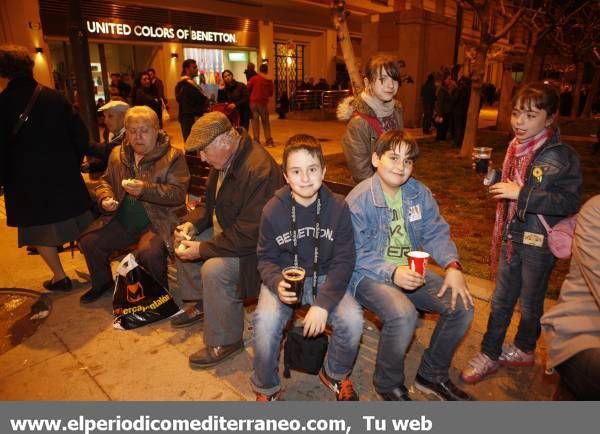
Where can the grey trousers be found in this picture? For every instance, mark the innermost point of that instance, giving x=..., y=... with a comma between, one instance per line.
x=214, y=282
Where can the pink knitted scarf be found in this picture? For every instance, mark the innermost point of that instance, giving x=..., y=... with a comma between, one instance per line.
x=518, y=158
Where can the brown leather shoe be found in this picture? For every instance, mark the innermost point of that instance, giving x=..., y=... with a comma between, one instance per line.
x=211, y=356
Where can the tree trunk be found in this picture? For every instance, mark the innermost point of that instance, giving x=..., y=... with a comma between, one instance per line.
x=529, y=58
x=587, y=109
x=577, y=90
x=473, y=112
x=504, y=106
x=343, y=35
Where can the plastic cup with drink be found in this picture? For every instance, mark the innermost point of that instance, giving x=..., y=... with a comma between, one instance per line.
x=482, y=158
x=417, y=261
x=295, y=277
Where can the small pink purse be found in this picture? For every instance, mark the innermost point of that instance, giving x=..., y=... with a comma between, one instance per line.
x=560, y=237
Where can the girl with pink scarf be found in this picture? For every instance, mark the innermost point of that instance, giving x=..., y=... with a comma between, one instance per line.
x=540, y=175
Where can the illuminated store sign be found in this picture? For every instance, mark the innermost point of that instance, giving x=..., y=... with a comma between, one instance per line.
x=139, y=31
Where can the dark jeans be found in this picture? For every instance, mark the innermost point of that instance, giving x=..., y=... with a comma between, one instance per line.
x=580, y=375
x=427, y=117
x=525, y=277
x=397, y=311
x=98, y=246
x=460, y=123
x=442, y=129
x=186, y=122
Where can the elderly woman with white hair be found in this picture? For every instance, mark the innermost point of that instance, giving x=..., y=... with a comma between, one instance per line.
x=142, y=195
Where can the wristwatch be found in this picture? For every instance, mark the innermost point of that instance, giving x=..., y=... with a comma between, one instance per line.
x=454, y=264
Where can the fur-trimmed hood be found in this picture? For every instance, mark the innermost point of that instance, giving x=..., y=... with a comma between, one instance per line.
x=349, y=105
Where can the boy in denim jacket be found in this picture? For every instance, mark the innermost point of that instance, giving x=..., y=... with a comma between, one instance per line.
x=392, y=214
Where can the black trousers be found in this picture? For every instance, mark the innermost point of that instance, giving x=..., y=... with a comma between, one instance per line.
x=98, y=246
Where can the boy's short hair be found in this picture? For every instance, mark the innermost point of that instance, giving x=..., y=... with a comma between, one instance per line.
x=540, y=95
x=392, y=140
x=304, y=142
x=381, y=61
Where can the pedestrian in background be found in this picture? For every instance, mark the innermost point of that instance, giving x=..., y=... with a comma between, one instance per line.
x=40, y=156
x=261, y=89
x=192, y=101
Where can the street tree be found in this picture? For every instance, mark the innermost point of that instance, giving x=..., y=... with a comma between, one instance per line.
x=485, y=10
x=340, y=13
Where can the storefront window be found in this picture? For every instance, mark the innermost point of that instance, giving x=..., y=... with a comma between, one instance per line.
x=211, y=63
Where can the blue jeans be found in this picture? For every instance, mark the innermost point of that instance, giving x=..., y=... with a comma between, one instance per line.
x=526, y=276
x=397, y=310
x=270, y=318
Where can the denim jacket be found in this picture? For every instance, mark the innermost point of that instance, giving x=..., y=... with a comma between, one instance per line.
x=552, y=187
x=371, y=217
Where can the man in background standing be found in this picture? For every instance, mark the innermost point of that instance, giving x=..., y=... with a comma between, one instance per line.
x=261, y=89
x=192, y=101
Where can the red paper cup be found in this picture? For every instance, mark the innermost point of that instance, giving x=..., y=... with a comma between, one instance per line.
x=417, y=261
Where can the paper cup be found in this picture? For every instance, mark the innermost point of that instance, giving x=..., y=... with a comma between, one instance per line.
x=417, y=261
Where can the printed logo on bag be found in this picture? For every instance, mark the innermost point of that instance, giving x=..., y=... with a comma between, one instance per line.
x=135, y=292
x=414, y=213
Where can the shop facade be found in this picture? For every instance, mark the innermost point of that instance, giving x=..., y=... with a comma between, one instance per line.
x=129, y=39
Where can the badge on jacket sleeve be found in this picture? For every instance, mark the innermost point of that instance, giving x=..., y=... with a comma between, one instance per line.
x=414, y=213
x=538, y=174
x=532, y=239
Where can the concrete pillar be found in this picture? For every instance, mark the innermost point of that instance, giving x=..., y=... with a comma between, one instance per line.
x=20, y=24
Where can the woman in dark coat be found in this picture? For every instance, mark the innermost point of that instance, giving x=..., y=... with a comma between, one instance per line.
x=238, y=97
x=145, y=94
x=45, y=196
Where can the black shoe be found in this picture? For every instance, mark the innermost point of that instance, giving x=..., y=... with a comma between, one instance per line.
x=188, y=317
x=95, y=293
x=399, y=393
x=60, y=285
x=211, y=356
x=444, y=390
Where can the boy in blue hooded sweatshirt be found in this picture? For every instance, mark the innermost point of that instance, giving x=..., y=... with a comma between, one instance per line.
x=290, y=220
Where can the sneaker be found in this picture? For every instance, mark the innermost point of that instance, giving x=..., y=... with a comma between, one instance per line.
x=478, y=368
x=444, y=390
x=343, y=389
x=266, y=398
x=512, y=356
x=64, y=285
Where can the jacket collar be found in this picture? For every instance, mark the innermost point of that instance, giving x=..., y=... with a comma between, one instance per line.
x=244, y=147
x=409, y=190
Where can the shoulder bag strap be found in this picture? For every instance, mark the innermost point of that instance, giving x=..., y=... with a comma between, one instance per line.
x=545, y=223
x=374, y=122
x=24, y=117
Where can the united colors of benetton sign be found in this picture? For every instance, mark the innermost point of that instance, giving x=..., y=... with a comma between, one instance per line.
x=122, y=30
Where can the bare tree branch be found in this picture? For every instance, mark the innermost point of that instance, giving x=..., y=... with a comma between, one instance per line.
x=508, y=25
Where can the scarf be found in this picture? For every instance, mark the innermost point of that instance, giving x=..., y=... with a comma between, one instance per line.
x=519, y=156
x=381, y=109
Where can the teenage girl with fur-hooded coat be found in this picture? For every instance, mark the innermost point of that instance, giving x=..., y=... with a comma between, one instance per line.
x=372, y=113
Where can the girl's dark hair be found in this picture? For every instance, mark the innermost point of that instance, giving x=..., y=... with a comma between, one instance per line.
x=394, y=139
x=539, y=95
x=304, y=142
x=379, y=62
x=15, y=61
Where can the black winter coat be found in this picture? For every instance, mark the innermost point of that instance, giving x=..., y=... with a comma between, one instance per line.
x=39, y=168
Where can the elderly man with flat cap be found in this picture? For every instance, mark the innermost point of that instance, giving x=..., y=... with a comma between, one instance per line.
x=216, y=246
x=114, y=117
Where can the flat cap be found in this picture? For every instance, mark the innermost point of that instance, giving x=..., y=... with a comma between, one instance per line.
x=118, y=106
x=206, y=129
